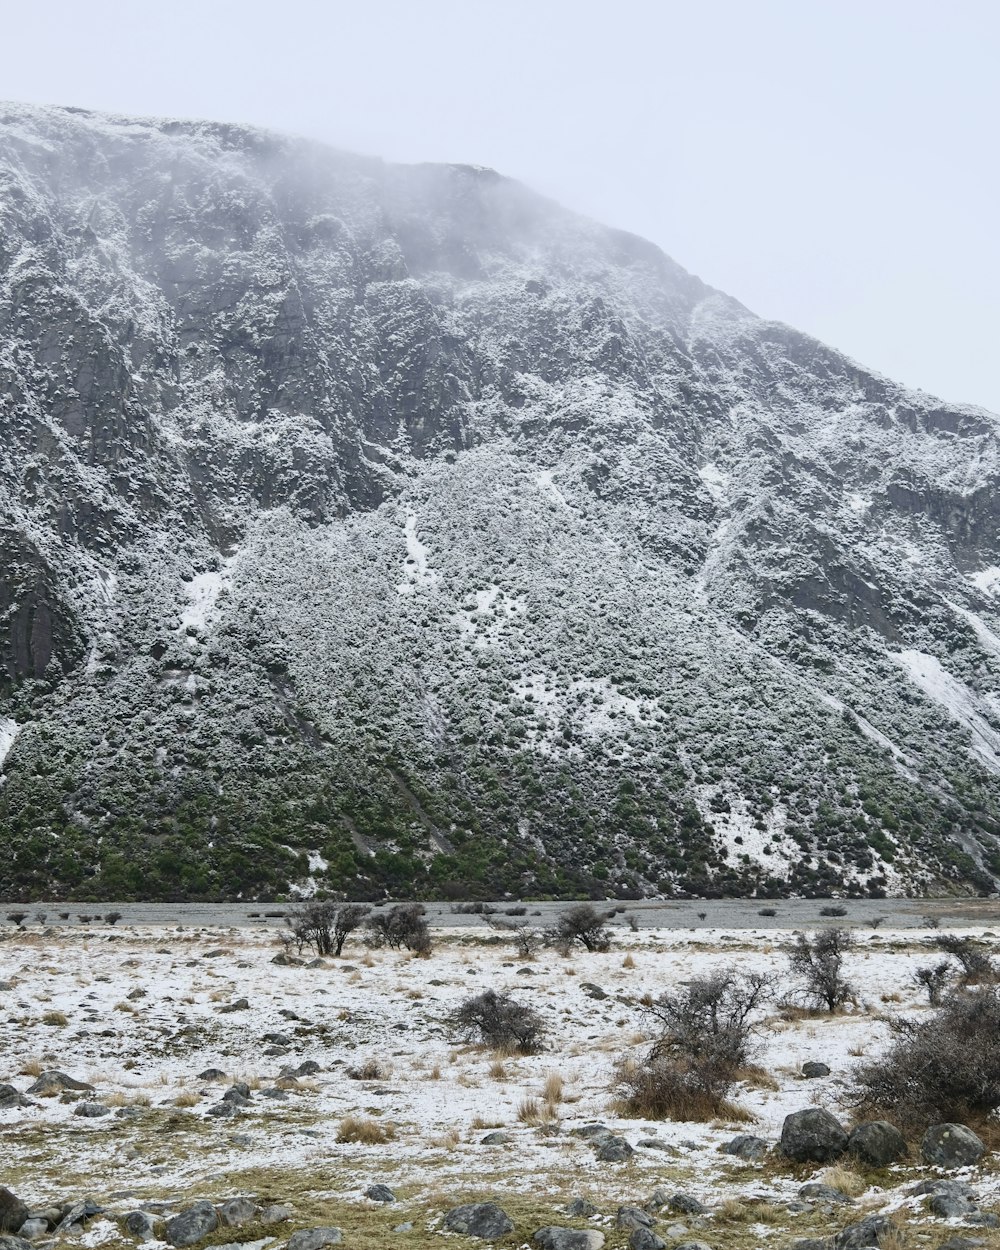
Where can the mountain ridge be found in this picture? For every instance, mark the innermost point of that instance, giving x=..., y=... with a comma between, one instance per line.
x=383, y=528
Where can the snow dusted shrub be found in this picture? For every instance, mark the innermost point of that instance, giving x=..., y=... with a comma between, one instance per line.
x=977, y=967
x=705, y=1047
x=581, y=923
x=817, y=964
x=942, y=1069
x=934, y=979
x=498, y=1020
x=401, y=926
x=325, y=925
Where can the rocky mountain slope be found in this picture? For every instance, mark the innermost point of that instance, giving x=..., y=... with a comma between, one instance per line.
x=376, y=528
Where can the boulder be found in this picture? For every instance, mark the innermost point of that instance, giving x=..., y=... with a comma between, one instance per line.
x=276, y=1213
x=812, y=1069
x=10, y=1097
x=581, y=1207
x=13, y=1211
x=553, y=1237
x=237, y=1211
x=633, y=1217
x=192, y=1225
x=815, y=1191
x=499, y=1138
x=951, y=1146
x=9, y=1242
x=592, y=990
x=685, y=1204
x=139, y=1224
x=314, y=1238
x=693, y=1245
x=613, y=1149
x=812, y=1136
x=479, y=1219
x=876, y=1143
x=54, y=1082
x=33, y=1227
x=91, y=1110
x=952, y=1206
x=747, y=1147
x=646, y=1239
x=211, y=1074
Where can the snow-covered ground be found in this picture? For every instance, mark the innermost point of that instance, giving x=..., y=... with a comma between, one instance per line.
x=140, y=1013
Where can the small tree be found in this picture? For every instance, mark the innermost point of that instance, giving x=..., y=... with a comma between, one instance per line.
x=350, y=916
x=976, y=964
x=581, y=923
x=943, y=1069
x=498, y=1020
x=934, y=979
x=402, y=925
x=818, y=964
x=325, y=925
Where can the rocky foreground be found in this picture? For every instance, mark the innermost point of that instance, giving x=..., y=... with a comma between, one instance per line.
x=186, y=1087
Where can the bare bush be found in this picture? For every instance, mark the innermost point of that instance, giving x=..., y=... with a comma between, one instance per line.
x=401, y=926
x=324, y=925
x=977, y=967
x=943, y=1069
x=818, y=963
x=934, y=979
x=705, y=1046
x=581, y=923
x=498, y=1020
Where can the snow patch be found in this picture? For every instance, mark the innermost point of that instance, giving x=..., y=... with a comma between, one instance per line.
x=988, y=580
x=982, y=631
x=588, y=708
x=203, y=593
x=737, y=830
x=417, y=575
x=9, y=730
x=544, y=480
x=715, y=481
x=927, y=672
x=484, y=625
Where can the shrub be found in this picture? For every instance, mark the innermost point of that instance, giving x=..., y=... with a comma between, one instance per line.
x=934, y=979
x=945, y=1068
x=498, y=1020
x=976, y=965
x=818, y=965
x=836, y=910
x=581, y=923
x=325, y=925
x=402, y=925
x=705, y=1046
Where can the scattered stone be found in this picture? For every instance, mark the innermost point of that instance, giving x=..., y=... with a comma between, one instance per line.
x=876, y=1143
x=693, y=1245
x=403, y=1228
x=223, y=1110
x=942, y=1186
x=812, y=1136
x=241, y=1004
x=646, y=1239
x=276, y=1213
x=496, y=1139
x=13, y=1211
x=555, y=1238
x=192, y=1225
x=129, y=1113
x=593, y=991
x=54, y=1082
x=478, y=1219
x=280, y=1094
x=314, y=1238
x=947, y=1146
x=747, y=1147
x=654, y=1143
x=951, y=1206
x=590, y=1132
x=91, y=1110
x=276, y=1039
x=10, y=1098
x=633, y=1217
x=580, y=1207
x=962, y=1243
x=288, y=961
x=380, y=1193
x=211, y=1074
x=237, y=1211
x=33, y=1228
x=868, y=1232
x=139, y=1224
x=613, y=1149
x=812, y=1069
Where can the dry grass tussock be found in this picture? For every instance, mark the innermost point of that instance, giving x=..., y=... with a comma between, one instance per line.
x=653, y=1093
x=55, y=1019
x=368, y=1132
x=749, y=1211
x=534, y=1112
x=846, y=1180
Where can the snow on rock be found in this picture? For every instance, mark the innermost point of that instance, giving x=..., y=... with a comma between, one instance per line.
x=8, y=732
x=716, y=481
x=203, y=592
x=956, y=698
x=988, y=580
x=417, y=575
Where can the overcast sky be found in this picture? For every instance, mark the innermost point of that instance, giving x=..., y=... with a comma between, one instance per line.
x=831, y=163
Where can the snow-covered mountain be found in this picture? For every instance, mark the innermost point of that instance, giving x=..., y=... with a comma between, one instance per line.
x=391, y=528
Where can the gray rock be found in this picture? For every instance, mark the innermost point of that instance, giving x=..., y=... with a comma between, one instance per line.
x=747, y=1147
x=288, y=961
x=139, y=1224
x=91, y=1110
x=942, y=1186
x=693, y=1245
x=76, y=1214
x=275, y=1094
x=403, y=1228
x=192, y=1225
x=592, y=990
x=276, y=1213
x=479, y=1219
x=812, y=1136
x=10, y=1098
x=867, y=1232
x=654, y=1143
x=9, y=1242
x=812, y=1069
x=237, y=1211
x=633, y=1217
x=380, y=1193
x=811, y=1243
x=223, y=1110
x=952, y=1206
x=238, y=1092
x=314, y=1238
x=581, y=1207
x=496, y=1139
x=54, y=1082
x=984, y=1219
x=590, y=1132
x=211, y=1074
x=950, y=1146
x=613, y=1149
x=962, y=1243
x=814, y=1191
x=554, y=1237
x=241, y=1004
x=645, y=1239
x=13, y=1211
x=876, y=1143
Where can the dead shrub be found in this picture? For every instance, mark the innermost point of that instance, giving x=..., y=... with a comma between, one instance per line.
x=817, y=963
x=498, y=1020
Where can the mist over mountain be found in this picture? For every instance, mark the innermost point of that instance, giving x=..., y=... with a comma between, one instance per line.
x=376, y=529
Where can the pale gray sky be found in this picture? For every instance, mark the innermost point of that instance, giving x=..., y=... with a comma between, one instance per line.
x=831, y=163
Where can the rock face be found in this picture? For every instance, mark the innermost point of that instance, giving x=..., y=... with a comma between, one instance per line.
x=812, y=1136
x=951, y=1146
x=392, y=513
